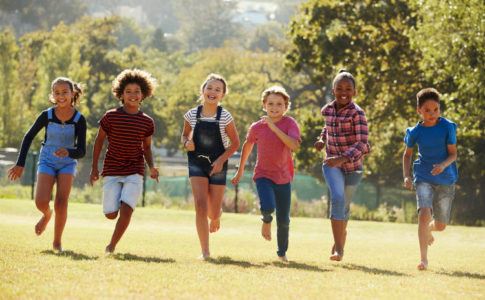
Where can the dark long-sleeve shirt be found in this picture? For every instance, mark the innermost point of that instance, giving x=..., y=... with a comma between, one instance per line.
x=41, y=122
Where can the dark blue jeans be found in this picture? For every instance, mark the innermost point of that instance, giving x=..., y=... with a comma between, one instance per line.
x=277, y=197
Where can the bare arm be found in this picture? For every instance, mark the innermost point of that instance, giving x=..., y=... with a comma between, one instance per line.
x=245, y=152
x=452, y=155
x=98, y=147
x=186, y=137
x=147, y=153
x=290, y=142
x=406, y=167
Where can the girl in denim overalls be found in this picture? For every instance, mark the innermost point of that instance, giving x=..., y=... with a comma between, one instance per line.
x=210, y=137
x=64, y=142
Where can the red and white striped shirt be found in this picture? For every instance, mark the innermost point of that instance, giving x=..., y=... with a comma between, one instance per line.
x=345, y=134
x=126, y=133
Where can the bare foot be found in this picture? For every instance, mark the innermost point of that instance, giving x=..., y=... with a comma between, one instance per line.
x=57, y=247
x=42, y=224
x=109, y=250
x=205, y=256
x=214, y=225
x=336, y=256
x=423, y=265
x=284, y=259
x=266, y=231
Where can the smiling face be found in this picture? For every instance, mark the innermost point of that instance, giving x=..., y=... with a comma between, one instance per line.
x=62, y=94
x=132, y=96
x=275, y=106
x=344, y=90
x=429, y=112
x=213, y=91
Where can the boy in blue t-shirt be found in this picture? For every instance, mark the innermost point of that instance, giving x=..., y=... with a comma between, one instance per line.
x=434, y=171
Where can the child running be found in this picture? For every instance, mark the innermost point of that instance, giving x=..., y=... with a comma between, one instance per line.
x=129, y=132
x=344, y=137
x=435, y=171
x=276, y=136
x=64, y=142
x=210, y=137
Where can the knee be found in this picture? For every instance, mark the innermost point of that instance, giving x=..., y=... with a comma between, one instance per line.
x=424, y=214
x=200, y=205
x=438, y=226
x=112, y=215
x=60, y=205
x=41, y=205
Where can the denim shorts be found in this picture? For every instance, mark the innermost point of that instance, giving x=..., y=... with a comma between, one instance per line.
x=53, y=165
x=117, y=189
x=437, y=197
x=197, y=169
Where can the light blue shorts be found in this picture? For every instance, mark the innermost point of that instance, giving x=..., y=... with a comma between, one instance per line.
x=117, y=189
x=52, y=165
x=437, y=197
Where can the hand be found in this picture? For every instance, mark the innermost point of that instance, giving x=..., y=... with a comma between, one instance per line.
x=408, y=183
x=61, y=152
x=437, y=169
x=319, y=145
x=237, y=177
x=216, y=167
x=189, y=145
x=269, y=121
x=154, y=173
x=15, y=172
x=94, y=176
x=335, y=162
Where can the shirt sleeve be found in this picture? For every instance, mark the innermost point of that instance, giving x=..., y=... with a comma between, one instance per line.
x=80, y=131
x=361, y=145
x=151, y=129
x=251, y=136
x=104, y=123
x=294, y=130
x=410, y=137
x=39, y=123
x=451, y=139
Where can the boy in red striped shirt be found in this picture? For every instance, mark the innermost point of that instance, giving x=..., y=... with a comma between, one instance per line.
x=129, y=132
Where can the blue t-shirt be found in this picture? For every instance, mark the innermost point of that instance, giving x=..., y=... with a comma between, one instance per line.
x=432, y=149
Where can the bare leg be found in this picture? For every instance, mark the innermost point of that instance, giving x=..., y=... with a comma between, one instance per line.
x=424, y=233
x=345, y=239
x=43, y=194
x=64, y=184
x=123, y=221
x=200, y=190
x=216, y=195
x=339, y=233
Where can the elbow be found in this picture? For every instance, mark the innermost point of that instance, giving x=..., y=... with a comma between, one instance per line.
x=236, y=145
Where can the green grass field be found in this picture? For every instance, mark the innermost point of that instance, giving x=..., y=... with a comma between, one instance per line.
x=157, y=258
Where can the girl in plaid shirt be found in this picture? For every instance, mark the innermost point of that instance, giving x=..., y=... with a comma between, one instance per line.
x=344, y=137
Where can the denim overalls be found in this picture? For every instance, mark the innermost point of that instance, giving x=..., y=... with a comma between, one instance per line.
x=58, y=136
x=208, y=147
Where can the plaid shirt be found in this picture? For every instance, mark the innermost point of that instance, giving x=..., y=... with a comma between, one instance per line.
x=345, y=134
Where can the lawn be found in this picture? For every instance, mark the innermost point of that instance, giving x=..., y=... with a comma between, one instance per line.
x=157, y=258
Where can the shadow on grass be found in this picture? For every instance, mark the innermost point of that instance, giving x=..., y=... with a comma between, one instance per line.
x=71, y=254
x=370, y=270
x=462, y=274
x=148, y=259
x=226, y=260
x=298, y=266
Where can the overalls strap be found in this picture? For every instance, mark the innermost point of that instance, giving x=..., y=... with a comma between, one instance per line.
x=50, y=111
x=77, y=117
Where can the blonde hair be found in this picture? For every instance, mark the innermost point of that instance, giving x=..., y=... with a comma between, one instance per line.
x=277, y=90
x=76, y=89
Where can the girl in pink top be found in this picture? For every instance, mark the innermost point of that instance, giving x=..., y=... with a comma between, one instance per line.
x=277, y=136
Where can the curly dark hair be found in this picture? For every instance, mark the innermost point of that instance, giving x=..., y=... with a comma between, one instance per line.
x=144, y=79
x=427, y=94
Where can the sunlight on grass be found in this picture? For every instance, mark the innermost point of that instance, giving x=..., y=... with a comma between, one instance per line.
x=157, y=258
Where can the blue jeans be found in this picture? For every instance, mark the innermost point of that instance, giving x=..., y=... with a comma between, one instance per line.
x=437, y=197
x=277, y=197
x=342, y=187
